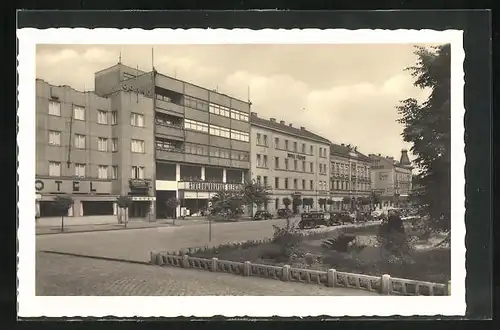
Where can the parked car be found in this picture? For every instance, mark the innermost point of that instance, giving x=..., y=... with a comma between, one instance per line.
x=314, y=219
x=284, y=213
x=262, y=215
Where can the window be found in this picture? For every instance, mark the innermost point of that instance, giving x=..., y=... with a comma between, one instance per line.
x=79, y=113
x=295, y=165
x=311, y=150
x=240, y=136
x=276, y=143
x=277, y=183
x=79, y=141
x=303, y=166
x=137, y=146
x=311, y=185
x=295, y=146
x=295, y=184
x=114, y=145
x=221, y=153
x=259, y=161
x=54, y=168
x=219, y=131
x=265, y=140
x=265, y=181
x=195, y=103
x=258, y=179
x=219, y=110
x=304, y=184
x=196, y=149
x=311, y=167
x=102, y=117
x=286, y=163
x=239, y=115
x=102, y=172
x=102, y=144
x=286, y=144
x=55, y=138
x=80, y=170
x=286, y=183
x=303, y=148
x=137, y=120
x=276, y=162
x=114, y=117
x=137, y=172
x=114, y=172
x=258, y=138
x=54, y=108
x=264, y=162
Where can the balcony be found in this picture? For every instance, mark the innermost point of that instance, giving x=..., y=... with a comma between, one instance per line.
x=139, y=184
x=169, y=150
x=169, y=107
x=170, y=130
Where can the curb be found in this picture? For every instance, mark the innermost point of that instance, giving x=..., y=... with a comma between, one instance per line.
x=107, y=229
x=147, y=263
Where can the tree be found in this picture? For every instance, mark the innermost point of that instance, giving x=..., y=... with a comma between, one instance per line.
x=254, y=193
x=227, y=202
x=374, y=199
x=286, y=201
x=124, y=203
x=172, y=204
x=330, y=203
x=347, y=201
x=296, y=202
x=427, y=128
x=322, y=202
x=63, y=203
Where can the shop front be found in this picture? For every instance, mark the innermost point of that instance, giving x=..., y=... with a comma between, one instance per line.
x=90, y=198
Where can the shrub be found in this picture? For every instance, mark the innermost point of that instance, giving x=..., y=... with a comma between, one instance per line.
x=394, y=242
x=287, y=239
x=339, y=243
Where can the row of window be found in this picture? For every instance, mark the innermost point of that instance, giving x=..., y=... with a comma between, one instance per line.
x=295, y=167
x=102, y=143
x=202, y=150
x=216, y=130
x=136, y=119
x=227, y=112
x=287, y=146
x=343, y=168
x=346, y=185
x=322, y=185
x=103, y=171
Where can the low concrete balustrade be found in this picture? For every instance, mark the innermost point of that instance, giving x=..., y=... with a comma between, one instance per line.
x=384, y=284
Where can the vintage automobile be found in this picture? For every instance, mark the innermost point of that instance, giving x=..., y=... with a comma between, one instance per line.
x=314, y=219
x=284, y=213
x=262, y=215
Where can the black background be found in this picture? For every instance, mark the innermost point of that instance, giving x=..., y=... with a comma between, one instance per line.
x=478, y=101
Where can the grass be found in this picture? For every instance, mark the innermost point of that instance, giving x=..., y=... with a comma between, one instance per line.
x=431, y=265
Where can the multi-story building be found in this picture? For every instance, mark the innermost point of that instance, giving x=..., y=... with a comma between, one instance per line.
x=350, y=176
x=292, y=162
x=391, y=179
x=141, y=134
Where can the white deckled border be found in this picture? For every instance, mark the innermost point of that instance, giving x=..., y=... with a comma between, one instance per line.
x=231, y=306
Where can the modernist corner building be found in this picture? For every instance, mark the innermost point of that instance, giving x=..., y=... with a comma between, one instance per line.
x=141, y=134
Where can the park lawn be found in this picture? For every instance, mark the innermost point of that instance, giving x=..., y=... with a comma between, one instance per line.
x=432, y=265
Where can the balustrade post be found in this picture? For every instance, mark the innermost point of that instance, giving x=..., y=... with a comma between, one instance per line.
x=385, y=284
x=331, y=275
x=152, y=257
x=286, y=273
x=214, y=264
x=247, y=270
x=185, y=261
x=159, y=259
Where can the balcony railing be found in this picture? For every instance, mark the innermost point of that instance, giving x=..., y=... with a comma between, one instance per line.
x=169, y=148
x=140, y=183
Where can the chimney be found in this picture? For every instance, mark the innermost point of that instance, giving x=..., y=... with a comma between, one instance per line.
x=405, y=160
x=290, y=125
x=302, y=128
x=282, y=122
x=273, y=120
x=379, y=155
x=253, y=114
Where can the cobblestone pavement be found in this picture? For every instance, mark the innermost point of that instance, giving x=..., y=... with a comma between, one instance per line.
x=136, y=244
x=73, y=276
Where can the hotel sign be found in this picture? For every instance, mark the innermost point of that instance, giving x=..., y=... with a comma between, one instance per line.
x=141, y=90
x=72, y=186
x=295, y=156
x=210, y=186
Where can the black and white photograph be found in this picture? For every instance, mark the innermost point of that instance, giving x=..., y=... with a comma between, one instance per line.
x=240, y=172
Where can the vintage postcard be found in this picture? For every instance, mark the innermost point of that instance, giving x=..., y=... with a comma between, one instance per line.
x=241, y=173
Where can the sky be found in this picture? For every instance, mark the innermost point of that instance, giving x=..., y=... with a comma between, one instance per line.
x=346, y=93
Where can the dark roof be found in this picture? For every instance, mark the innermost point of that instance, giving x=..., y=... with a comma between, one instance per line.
x=337, y=149
x=303, y=133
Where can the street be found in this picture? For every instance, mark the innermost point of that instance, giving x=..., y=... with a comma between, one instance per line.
x=71, y=275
